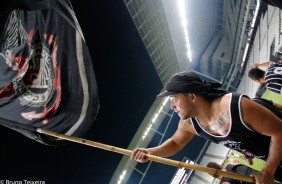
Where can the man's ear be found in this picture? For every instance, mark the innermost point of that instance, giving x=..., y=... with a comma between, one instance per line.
x=193, y=97
x=259, y=80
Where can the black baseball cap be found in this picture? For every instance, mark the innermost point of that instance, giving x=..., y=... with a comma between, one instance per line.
x=190, y=82
x=180, y=83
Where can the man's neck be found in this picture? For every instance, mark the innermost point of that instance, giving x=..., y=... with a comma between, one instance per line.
x=208, y=109
x=212, y=118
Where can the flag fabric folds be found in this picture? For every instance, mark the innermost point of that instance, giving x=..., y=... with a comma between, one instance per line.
x=47, y=78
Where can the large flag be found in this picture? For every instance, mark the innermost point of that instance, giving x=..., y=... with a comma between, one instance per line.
x=47, y=78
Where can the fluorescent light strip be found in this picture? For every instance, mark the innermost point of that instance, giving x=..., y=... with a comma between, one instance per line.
x=121, y=176
x=154, y=118
x=250, y=33
x=181, y=7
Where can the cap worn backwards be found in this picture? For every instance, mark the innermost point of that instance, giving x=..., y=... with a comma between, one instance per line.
x=190, y=82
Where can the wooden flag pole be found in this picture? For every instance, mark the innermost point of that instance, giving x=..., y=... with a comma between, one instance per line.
x=211, y=171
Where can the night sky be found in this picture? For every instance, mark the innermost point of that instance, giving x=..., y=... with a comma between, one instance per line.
x=127, y=85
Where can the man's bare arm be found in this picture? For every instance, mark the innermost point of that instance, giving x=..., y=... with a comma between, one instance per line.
x=170, y=147
x=265, y=122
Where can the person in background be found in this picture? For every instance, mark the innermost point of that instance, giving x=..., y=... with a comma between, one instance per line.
x=225, y=118
x=232, y=167
x=272, y=78
x=243, y=157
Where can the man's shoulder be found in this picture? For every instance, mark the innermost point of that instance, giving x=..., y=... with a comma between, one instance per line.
x=225, y=99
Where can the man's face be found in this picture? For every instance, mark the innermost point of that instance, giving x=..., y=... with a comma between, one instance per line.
x=182, y=104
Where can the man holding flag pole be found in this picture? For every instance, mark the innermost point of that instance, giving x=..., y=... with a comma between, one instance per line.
x=40, y=63
x=42, y=57
x=226, y=118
